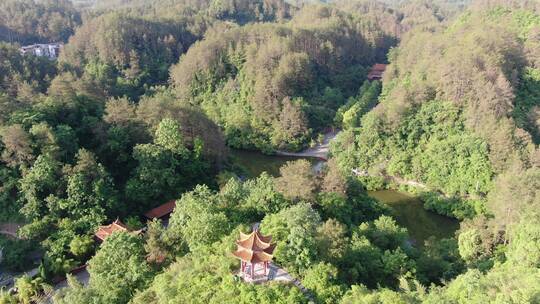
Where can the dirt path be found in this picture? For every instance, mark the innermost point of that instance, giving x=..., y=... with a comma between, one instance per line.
x=319, y=151
x=388, y=178
x=9, y=229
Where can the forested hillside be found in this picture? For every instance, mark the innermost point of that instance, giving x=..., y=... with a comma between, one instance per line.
x=269, y=86
x=457, y=114
x=457, y=108
x=34, y=21
x=149, y=100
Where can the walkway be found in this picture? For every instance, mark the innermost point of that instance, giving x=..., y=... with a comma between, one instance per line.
x=279, y=274
x=276, y=273
x=388, y=178
x=8, y=280
x=81, y=274
x=319, y=151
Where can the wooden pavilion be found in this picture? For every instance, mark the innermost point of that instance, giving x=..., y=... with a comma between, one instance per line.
x=255, y=253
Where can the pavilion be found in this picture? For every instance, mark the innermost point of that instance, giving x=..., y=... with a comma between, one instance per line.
x=255, y=253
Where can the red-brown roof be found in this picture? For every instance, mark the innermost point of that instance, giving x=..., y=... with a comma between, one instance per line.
x=254, y=247
x=377, y=71
x=162, y=210
x=378, y=67
x=105, y=231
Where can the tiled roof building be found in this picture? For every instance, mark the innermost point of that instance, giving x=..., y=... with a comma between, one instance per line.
x=104, y=232
x=377, y=71
x=161, y=211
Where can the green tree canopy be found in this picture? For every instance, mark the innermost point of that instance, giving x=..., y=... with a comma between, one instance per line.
x=119, y=268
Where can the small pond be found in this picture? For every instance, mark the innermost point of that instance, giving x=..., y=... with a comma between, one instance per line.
x=408, y=210
x=254, y=163
x=410, y=213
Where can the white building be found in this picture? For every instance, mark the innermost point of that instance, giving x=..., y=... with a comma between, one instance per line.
x=50, y=50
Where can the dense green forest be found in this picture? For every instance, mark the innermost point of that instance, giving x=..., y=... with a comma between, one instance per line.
x=148, y=97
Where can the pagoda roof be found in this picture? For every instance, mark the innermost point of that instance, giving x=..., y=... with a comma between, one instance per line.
x=254, y=247
x=104, y=231
x=162, y=210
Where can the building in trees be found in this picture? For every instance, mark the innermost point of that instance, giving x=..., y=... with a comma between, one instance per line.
x=50, y=50
x=162, y=212
x=255, y=253
x=104, y=232
x=377, y=71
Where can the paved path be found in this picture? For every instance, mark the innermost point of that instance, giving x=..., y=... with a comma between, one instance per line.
x=82, y=276
x=10, y=229
x=9, y=280
x=319, y=151
x=276, y=273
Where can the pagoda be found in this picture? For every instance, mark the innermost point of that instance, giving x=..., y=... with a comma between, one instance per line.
x=255, y=252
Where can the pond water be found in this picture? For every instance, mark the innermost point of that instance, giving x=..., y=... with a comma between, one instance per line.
x=409, y=212
x=407, y=209
x=254, y=163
